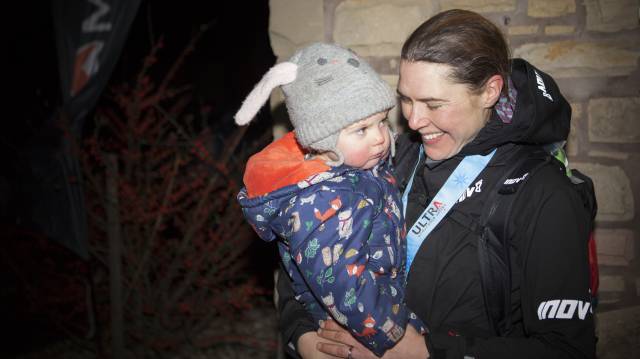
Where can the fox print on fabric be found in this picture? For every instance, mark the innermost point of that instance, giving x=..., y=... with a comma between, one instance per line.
x=335, y=206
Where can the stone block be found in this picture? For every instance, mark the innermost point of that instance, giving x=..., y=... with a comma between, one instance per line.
x=396, y=112
x=611, y=15
x=615, y=247
x=613, y=191
x=550, y=8
x=614, y=155
x=609, y=298
x=552, y=30
x=276, y=99
x=392, y=80
x=580, y=58
x=522, y=30
x=281, y=123
x=481, y=6
x=378, y=28
x=394, y=64
x=576, y=110
x=614, y=120
x=618, y=333
x=293, y=24
x=611, y=283
x=573, y=145
x=576, y=121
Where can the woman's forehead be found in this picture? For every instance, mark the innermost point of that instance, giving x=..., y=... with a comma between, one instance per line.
x=423, y=80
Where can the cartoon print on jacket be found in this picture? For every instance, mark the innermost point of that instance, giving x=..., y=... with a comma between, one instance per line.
x=294, y=221
x=392, y=208
x=342, y=244
x=345, y=226
x=331, y=307
x=335, y=206
x=368, y=324
x=330, y=257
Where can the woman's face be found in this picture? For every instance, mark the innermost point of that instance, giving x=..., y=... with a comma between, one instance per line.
x=446, y=114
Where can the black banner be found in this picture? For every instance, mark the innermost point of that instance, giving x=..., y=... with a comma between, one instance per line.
x=90, y=35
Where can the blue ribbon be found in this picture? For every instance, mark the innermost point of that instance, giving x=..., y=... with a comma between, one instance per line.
x=457, y=183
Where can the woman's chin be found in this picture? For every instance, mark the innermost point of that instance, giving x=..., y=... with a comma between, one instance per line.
x=435, y=154
x=442, y=151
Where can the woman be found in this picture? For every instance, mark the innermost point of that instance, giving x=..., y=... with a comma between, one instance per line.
x=464, y=98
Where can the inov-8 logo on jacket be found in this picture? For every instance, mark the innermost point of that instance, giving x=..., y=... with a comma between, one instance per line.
x=563, y=309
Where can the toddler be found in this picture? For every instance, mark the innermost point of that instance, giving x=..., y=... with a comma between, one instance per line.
x=327, y=194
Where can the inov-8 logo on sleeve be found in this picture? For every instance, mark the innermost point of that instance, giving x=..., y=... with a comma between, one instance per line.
x=563, y=309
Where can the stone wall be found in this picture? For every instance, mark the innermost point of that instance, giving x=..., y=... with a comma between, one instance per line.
x=591, y=47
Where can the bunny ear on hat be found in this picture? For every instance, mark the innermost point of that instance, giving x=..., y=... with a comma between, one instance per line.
x=280, y=74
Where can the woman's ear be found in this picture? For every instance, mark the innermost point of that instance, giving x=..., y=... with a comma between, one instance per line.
x=492, y=90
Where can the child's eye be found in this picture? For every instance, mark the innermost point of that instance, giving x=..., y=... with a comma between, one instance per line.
x=384, y=122
x=361, y=131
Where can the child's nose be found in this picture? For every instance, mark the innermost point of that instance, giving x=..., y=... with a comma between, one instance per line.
x=378, y=136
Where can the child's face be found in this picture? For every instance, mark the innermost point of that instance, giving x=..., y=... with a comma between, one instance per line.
x=365, y=142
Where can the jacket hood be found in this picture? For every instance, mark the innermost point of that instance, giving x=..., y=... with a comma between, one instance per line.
x=278, y=165
x=541, y=115
x=272, y=178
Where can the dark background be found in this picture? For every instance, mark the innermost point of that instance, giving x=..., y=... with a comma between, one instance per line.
x=228, y=60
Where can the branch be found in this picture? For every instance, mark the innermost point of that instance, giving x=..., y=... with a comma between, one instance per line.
x=149, y=245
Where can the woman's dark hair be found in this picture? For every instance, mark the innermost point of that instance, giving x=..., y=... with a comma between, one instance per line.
x=471, y=44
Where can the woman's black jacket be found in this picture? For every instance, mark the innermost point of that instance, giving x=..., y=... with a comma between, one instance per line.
x=551, y=310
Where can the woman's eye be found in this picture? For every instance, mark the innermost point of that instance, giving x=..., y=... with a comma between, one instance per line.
x=434, y=107
x=404, y=100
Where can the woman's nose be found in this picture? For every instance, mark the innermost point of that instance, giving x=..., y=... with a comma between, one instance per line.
x=415, y=118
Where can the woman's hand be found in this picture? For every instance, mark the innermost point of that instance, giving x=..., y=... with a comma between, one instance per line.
x=341, y=343
x=411, y=345
x=307, y=347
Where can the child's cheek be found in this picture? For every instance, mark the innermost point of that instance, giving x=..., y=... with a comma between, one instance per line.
x=356, y=157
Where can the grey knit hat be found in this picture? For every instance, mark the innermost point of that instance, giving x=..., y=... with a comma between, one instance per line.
x=327, y=88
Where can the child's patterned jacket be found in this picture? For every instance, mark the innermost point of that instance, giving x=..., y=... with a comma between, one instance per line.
x=341, y=238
